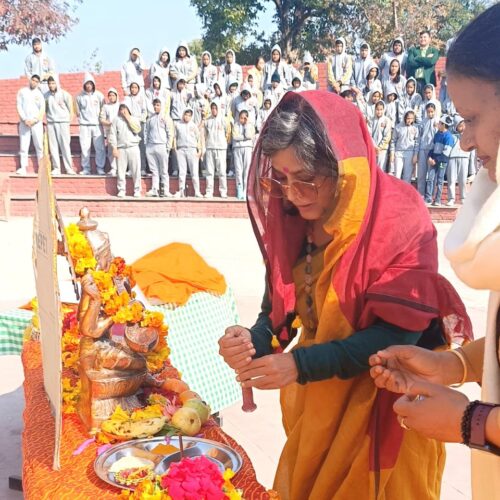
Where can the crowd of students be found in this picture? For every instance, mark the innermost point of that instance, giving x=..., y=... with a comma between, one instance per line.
x=206, y=117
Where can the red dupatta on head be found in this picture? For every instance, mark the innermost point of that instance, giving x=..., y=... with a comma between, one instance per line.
x=389, y=270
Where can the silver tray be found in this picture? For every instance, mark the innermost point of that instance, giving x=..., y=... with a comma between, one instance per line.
x=223, y=456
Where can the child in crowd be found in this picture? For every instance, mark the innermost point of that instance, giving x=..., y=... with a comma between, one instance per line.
x=179, y=100
x=157, y=91
x=243, y=134
x=188, y=151
x=391, y=105
x=297, y=85
x=199, y=104
x=244, y=102
x=461, y=164
x=438, y=160
x=404, y=147
x=428, y=129
x=217, y=136
x=207, y=74
x=108, y=114
x=381, y=131
x=184, y=67
x=276, y=66
x=30, y=108
x=59, y=113
x=233, y=93
x=264, y=112
x=361, y=67
x=339, y=67
x=161, y=68
x=395, y=80
x=231, y=71
x=220, y=98
x=309, y=72
x=257, y=94
x=276, y=91
x=410, y=99
x=89, y=105
x=158, y=138
x=350, y=95
x=429, y=95
x=367, y=105
x=137, y=104
x=372, y=80
x=133, y=71
x=124, y=138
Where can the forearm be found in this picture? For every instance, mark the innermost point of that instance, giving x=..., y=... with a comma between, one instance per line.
x=349, y=357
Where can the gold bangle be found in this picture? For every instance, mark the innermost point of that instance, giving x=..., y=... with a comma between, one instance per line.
x=460, y=356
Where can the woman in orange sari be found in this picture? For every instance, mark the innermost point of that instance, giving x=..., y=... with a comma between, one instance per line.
x=351, y=257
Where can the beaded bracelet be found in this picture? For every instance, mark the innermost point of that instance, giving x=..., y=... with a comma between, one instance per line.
x=466, y=421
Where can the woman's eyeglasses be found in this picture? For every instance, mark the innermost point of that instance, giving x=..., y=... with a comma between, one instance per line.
x=299, y=189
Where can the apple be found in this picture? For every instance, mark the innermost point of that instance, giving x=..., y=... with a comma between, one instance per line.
x=200, y=407
x=187, y=421
x=186, y=395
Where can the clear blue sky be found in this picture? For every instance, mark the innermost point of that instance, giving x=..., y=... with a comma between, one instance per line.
x=114, y=27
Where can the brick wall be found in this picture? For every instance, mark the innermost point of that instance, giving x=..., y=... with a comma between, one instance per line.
x=73, y=82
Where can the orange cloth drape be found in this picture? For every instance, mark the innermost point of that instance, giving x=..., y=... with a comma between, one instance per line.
x=77, y=480
x=174, y=272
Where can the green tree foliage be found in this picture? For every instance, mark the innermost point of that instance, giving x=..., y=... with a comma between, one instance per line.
x=313, y=24
x=21, y=20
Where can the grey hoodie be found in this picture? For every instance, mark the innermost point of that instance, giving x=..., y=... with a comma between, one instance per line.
x=158, y=130
x=163, y=72
x=270, y=68
x=434, y=101
x=58, y=106
x=133, y=72
x=89, y=105
x=339, y=66
x=231, y=72
x=413, y=102
x=217, y=130
x=361, y=68
x=428, y=129
x=380, y=130
x=187, y=135
x=405, y=138
x=124, y=135
x=386, y=59
x=184, y=68
x=207, y=74
x=179, y=102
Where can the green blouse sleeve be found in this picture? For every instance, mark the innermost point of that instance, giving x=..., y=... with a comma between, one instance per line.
x=349, y=357
x=262, y=331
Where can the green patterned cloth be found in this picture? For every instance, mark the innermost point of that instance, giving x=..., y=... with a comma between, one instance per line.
x=12, y=325
x=194, y=330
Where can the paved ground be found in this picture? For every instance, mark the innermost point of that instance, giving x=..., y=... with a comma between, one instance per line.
x=228, y=245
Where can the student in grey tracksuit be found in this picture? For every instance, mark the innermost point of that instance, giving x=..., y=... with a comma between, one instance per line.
x=158, y=137
x=397, y=52
x=361, y=66
x=410, y=99
x=380, y=128
x=188, y=149
x=217, y=134
x=136, y=102
x=59, y=112
x=133, y=71
x=231, y=71
x=243, y=134
x=428, y=129
x=184, y=67
x=108, y=114
x=89, y=105
x=208, y=73
x=124, y=138
x=461, y=164
x=39, y=63
x=161, y=69
x=31, y=108
x=404, y=147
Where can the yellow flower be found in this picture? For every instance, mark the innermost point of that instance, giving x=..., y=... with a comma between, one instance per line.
x=275, y=342
x=297, y=322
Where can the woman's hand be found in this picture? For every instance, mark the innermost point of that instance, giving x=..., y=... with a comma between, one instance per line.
x=236, y=347
x=269, y=372
x=397, y=368
x=433, y=411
